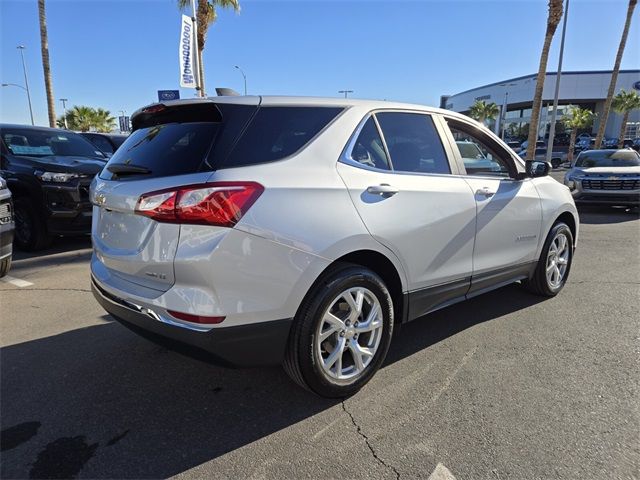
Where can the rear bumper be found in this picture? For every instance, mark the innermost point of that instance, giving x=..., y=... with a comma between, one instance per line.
x=255, y=344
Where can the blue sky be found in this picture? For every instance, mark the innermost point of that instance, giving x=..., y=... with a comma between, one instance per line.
x=116, y=54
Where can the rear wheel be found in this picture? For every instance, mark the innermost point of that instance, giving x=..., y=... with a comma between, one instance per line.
x=31, y=231
x=341, y=333
x=554, y=264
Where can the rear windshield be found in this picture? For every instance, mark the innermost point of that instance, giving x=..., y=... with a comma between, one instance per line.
x=244, y=136
x=46, y=143
x=616, y=158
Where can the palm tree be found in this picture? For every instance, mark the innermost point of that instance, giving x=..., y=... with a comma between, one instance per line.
x=624, y=102
x=482, y=111
x=553, y=19
x=103, y=121
x=79, y=118
x=46, y=67
x=614, y=74
x=576, y=119
x=206, y=16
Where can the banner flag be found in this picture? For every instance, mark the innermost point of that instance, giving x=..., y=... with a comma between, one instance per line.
x=186, y=53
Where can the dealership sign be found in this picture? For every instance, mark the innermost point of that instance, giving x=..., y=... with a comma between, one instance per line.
x=636, y=85
x=186, y=53
x=164, y=95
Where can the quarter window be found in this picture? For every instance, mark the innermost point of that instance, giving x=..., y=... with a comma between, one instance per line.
x=368, y=148
x=413, y=143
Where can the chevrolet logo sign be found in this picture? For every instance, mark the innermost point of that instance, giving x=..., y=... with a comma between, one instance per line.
x=613, y=178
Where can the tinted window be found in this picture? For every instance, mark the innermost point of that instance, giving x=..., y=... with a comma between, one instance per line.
x=277, y=132
x=478, y=157
x=368, y=148
x=168, y=149
x=413, y=143
x=44, y=143
x=170, y=145
x=616, y=158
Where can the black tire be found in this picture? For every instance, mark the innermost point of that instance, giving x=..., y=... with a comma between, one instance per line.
x=538, y=283
x=31, y=231
x=555, y=162
x=301, y=360
x=5, y=266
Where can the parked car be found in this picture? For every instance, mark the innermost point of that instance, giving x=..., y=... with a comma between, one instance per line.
x=586, y=137
x=636, y=144
x=302, y=231
x=106, y=142
x=514, y=145
x=557, y=158
x=6, y=228
x=48, y=172
x=539, y=144
x=605, y=177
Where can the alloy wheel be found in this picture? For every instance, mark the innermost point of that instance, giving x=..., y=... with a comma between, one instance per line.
x=557, y=260
x=349, y=334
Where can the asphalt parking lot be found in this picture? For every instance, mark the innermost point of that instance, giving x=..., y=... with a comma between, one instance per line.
x=507, y=385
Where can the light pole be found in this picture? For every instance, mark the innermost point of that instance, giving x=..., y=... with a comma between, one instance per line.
x=346, y=92
x=503, y=113
x=552, y=128
x=245, y=79
x=64, y=111
x=26, y=82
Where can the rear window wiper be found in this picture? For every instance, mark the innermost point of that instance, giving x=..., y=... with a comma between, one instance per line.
x=124, y=169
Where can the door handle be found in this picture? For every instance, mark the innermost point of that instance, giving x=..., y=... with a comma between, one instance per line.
x=383, y=189
x=485, y=192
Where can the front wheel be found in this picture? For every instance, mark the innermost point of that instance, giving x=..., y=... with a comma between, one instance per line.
x=341, y=333
x=5, y=266
x=31, y=232
x=554, y=264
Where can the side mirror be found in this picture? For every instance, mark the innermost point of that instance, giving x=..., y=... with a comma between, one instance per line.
x=536, y=168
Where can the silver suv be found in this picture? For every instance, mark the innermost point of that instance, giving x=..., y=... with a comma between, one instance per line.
x=268, y=230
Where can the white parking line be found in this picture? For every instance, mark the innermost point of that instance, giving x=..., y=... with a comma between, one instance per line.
x=16, y=281
x=441, y=473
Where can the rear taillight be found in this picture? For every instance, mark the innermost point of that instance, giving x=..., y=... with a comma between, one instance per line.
x=188, y=317
x=220, y=203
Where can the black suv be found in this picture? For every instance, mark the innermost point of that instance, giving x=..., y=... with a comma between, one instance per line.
x=48, y=172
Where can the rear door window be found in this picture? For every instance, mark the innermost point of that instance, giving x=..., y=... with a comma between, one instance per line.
x=278, y=132
x=368, y=148
x=413, y=142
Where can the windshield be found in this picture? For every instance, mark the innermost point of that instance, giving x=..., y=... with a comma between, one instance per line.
x=44, y=143
x=614, y=158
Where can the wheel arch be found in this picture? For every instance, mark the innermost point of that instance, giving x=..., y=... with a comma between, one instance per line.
x=569, y=219
x=385, y=269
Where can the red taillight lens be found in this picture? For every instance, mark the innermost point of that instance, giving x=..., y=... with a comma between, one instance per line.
x=219, y=203
x=187, y=317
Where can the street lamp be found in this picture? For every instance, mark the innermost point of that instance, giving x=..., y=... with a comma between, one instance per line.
x=503, y=113
x=346, y=92
x=552, y=128
x=26, y=82
x=64, y=110
x=245, y=79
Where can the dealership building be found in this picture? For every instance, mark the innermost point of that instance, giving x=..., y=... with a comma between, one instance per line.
x=586, y=89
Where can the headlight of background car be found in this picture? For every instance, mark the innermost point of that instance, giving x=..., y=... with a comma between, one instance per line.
x=56, y=177
x=570, y=182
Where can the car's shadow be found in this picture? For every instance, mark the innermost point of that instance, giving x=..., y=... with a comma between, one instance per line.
x=137, y=410
x=602, y=215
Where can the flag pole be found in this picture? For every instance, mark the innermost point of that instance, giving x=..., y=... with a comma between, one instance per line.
x=196, y=56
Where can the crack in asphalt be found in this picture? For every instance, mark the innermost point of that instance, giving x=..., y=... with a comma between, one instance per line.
x=368, y=443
